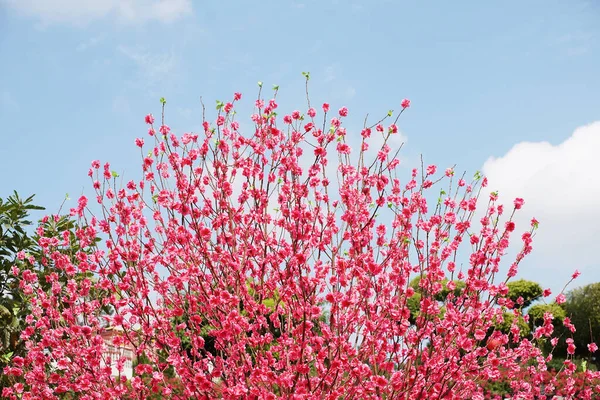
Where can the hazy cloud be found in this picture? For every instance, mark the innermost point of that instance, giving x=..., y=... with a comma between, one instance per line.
x=152, y=68
x=91, y=42
x=80, y=12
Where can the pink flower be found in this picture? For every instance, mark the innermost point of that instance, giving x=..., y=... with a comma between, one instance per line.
x=592, y=347
x=149, y=119
x=560, y=299
x=405, y=103
x=576, y=274
x=343, y=112
x=343, y=148
x=237, y=96
x=312, y=112
x=296, y=114
x=325, y=107
x=19, y=362
x=519, y=203
x=534, y=223
x=510, y=226
x=139, y=142
x=479, y=334
x=547, y=292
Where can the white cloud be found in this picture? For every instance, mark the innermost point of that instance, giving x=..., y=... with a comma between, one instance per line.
x=152, y=68
x=561, y=188
x=80, y=12
x=574, y=43
x=330, y=73
x=90, y=43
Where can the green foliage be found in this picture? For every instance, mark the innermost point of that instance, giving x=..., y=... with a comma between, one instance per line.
x=536, y=318
x=536, y=314
x=17, y=235
x=506, y=324
x=557, y=363
x=414, y=305
x=443, y=294
x=583, y=307
x=528, y=290
x=14, y=238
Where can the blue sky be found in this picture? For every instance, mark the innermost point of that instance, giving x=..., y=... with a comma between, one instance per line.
x=498, y=86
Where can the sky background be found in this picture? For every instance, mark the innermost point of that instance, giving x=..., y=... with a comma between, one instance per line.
x=511, y=88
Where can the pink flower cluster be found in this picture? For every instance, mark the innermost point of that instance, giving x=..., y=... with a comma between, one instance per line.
x=277, y=265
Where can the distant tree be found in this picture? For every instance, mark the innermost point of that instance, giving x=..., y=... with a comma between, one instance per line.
x=14, y=242
x=536, y=314
x=528, y=291
x=22, y=261
x=583, y=308
x=505, y=325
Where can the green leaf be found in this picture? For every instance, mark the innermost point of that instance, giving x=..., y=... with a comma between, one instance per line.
x=163, y=101
x=114, y=174
x=390, y=113
x=260, y=84
x=275, y=87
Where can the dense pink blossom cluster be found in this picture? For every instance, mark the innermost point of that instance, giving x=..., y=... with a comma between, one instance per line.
x=276, y=264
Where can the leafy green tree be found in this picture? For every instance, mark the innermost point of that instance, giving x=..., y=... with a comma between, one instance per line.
x=527, y=290
x=507, y=321
x=583, y=307
x=414, y=303
x=536, y=314
x=442, y=295
x=20, y=251
x=14, y=239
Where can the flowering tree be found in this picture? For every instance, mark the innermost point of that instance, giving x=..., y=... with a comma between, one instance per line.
x=22, y=261
x=277, y=264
